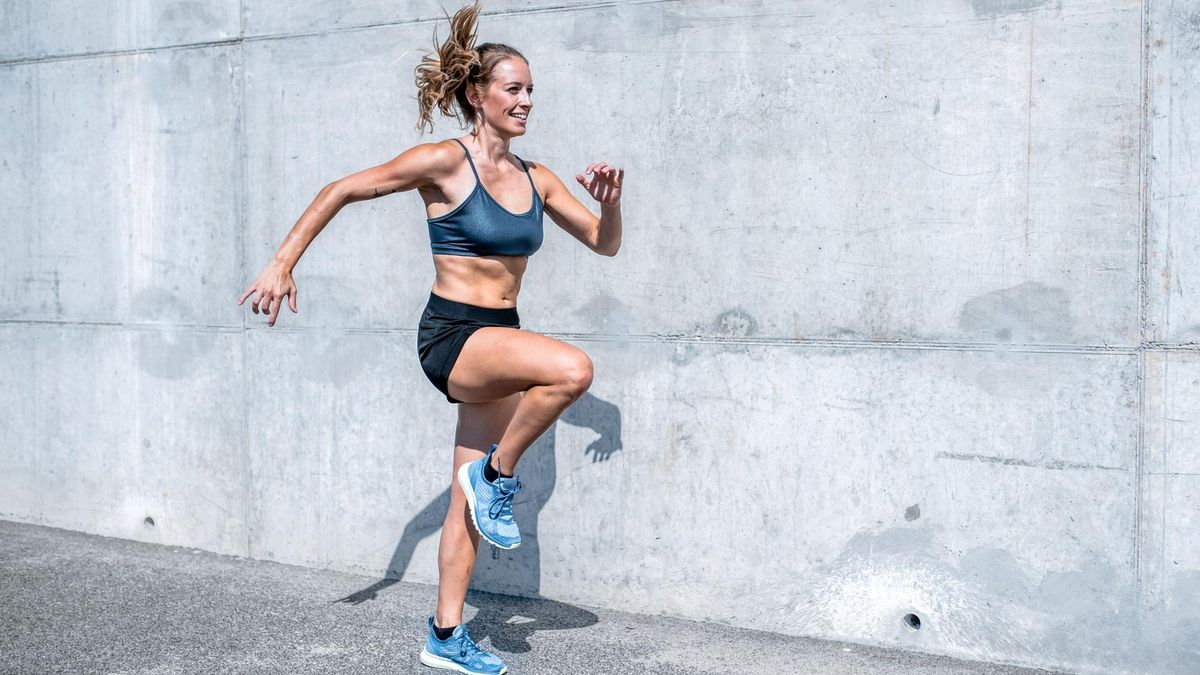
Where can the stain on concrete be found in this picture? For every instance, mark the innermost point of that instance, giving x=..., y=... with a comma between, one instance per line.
x=170, y=353
x=1190, y=33
x=912, y=513
x=1029, y=312
x=896, y=540
x=606, y=314
x=735, y=322
x=157, y=304
x=995, y=8
x=340, y=361
x=997, y=573
x=188, y=13
x=684, y=353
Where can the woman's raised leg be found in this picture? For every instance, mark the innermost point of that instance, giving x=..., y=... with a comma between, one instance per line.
x=498, y=362
x=479, y=425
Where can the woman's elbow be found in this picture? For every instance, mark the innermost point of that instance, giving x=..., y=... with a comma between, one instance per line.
x=609, y=251
x=335, y=194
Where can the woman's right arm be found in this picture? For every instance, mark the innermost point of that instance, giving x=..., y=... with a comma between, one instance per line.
x=421, y=166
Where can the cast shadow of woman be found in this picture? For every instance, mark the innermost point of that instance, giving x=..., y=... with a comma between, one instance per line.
x=506, y=585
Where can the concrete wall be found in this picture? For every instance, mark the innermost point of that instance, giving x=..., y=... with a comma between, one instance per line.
x=901, y=324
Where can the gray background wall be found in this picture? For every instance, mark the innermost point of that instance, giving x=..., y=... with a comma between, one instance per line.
x=902, y=320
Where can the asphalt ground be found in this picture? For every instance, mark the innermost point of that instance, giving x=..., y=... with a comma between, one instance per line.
x=79, y=603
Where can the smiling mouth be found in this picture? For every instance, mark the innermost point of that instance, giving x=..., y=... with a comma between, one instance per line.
x=521, y=116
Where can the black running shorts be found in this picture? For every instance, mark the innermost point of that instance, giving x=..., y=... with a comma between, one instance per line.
x=444, y=329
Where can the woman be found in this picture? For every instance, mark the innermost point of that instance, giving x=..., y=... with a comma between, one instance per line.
x=485, y=207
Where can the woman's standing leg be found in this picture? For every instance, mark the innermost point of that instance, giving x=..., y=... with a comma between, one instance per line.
x=479, y=426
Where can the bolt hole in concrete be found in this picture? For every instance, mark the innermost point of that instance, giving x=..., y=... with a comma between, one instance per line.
x=148, y=522
x=912, y=621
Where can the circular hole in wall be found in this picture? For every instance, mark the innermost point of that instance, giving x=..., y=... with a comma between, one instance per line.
x=912, y=621
x=148, y=522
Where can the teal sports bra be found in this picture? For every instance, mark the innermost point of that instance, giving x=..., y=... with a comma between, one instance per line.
x=480, y=226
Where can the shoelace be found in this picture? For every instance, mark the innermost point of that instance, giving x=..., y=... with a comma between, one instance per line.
x=502, y=505
x=467, y=646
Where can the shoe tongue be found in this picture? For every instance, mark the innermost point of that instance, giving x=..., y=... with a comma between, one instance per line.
x=508, y=484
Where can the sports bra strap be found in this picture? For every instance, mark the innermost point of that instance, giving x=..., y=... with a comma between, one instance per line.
x=528, y=175
x=476, y=172
x=469, y=160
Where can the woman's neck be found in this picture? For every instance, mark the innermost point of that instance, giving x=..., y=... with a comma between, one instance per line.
x=492, y=145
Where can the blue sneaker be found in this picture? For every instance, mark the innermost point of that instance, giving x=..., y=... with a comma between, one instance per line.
x=459, y=652
x=491, y=503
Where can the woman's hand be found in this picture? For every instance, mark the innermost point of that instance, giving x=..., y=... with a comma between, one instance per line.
x=605, y=184
x=272, y=285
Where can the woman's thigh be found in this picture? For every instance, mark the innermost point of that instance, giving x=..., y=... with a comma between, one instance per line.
x=498, y=362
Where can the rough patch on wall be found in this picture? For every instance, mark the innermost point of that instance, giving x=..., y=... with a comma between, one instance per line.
x=907, y=586
x=731, y=323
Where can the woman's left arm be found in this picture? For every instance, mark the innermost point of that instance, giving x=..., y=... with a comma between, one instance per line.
x=603, y=234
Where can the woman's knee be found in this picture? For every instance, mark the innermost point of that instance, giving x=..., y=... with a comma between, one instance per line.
x=577, y=373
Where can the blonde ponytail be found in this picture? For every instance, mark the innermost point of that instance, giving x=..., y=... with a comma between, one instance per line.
x=445, y=73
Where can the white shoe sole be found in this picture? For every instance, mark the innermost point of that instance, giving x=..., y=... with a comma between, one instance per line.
x=464, y=482
x=446, y=664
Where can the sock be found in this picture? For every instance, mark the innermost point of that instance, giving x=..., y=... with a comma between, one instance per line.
x=490, y=474
x=443, y=634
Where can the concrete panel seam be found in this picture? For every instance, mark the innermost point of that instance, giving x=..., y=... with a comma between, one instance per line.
x=927, y=345
x=1139, y=448
x=523, y=11
x=1173, y=346
x=110, y=53
x=668, y=338
x=242, y=37
x=127, y=325
x=244, y=445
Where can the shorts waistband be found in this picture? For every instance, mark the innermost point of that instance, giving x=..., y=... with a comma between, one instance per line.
x=452, y=308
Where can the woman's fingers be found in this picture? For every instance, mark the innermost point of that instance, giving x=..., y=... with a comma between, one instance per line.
x=605, y=184
x=274, y=307
x=246, y=294
x=268, y=292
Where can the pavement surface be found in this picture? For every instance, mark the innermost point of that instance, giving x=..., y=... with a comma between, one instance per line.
x=79, y=603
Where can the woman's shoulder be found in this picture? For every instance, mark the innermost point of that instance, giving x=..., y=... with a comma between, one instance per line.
x=433, y=158
x=542, y=175
x=445, y=151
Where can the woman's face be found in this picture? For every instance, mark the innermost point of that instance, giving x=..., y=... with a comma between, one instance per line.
x=506, y=100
